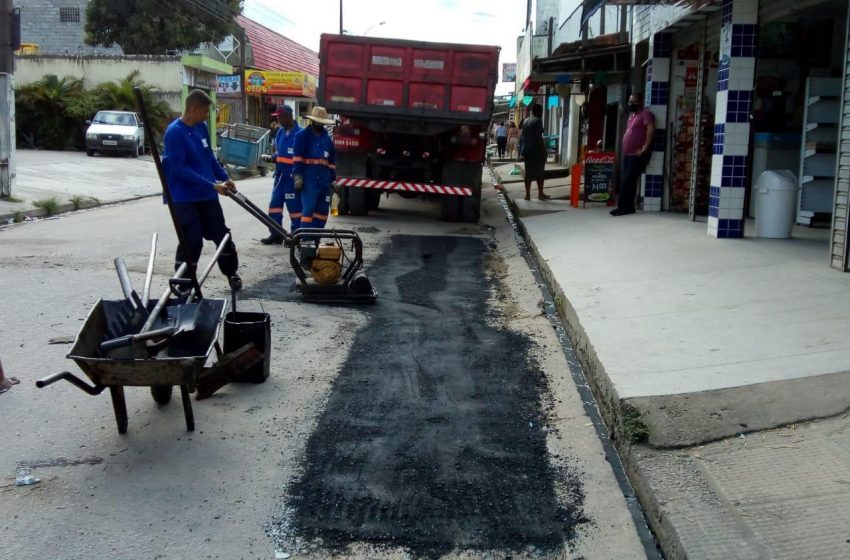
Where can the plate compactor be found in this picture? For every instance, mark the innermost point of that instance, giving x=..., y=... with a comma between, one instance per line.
x=326, y=272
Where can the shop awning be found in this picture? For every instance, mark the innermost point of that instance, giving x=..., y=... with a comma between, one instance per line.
x=590, y=7
x=608, y=53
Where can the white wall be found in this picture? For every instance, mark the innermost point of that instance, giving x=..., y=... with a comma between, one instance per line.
x=162, y=72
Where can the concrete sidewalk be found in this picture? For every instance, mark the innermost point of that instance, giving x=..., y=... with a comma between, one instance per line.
x=688, y=339
x=68, y=181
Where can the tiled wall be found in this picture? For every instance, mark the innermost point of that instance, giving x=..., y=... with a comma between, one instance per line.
x=738, y=43
x=657, y=97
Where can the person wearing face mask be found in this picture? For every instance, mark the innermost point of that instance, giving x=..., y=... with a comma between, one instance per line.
x=636, y=149
x=314, y=168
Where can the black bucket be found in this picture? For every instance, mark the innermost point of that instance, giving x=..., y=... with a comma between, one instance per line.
x=240, y=328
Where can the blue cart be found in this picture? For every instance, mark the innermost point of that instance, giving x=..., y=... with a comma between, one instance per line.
x=243, y=145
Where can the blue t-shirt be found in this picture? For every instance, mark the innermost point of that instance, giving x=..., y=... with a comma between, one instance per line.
x=190, y=164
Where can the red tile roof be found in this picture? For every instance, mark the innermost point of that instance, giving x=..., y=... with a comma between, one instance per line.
x=273, y=51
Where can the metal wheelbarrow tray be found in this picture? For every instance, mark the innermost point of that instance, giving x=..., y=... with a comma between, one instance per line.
x=181, y=362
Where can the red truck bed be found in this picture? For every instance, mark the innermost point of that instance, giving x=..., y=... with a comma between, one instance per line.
x=366, y=76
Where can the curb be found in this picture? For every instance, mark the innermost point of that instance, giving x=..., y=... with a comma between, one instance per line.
x=613, y=414
x=64, y=208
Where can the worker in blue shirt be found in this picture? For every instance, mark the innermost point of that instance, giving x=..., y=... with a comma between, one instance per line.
x=284, y=191
x=314, y=169
x=195, y=179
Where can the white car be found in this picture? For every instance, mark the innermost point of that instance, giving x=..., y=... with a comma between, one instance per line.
x=115, y=131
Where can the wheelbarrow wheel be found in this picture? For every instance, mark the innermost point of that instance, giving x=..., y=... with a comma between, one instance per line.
x=161, y=393
x=264, y=171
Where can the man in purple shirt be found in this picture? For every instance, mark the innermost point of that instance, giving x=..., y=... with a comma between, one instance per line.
x=636, y=149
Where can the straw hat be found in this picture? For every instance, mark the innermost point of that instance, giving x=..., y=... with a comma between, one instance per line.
x=320, y=115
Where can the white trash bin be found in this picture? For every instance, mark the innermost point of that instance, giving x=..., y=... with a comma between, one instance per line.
x=777, y=204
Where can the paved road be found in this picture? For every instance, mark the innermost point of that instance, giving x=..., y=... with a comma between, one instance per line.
x=444, y=421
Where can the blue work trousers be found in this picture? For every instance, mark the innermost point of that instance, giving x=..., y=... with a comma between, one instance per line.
x=315, y=205
x=284, y=193
x=205, y=220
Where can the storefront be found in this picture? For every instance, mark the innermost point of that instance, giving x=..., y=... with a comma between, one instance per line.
x=268, y=89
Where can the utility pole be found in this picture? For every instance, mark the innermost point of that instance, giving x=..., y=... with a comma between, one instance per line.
x=10, y=40
x=340, y=17
x=242, y=44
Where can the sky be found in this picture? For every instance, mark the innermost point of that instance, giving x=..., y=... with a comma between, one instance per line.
x=483, y=22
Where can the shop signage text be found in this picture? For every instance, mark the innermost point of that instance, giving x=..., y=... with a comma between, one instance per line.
x=228, y=84
x=292, y=84
x=598, y=176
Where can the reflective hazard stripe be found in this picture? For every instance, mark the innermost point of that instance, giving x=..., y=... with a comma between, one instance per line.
x=321, y=217
x=284, y=160
x=426, y=188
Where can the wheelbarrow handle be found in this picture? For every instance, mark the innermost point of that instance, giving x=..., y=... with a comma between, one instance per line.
x=70, y=378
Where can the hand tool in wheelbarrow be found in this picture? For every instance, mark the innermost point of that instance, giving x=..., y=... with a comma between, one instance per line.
x=133, y=313
x=178, y=319
x=352, y=286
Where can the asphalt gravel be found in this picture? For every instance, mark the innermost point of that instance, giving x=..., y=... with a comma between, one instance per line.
x=433, y=437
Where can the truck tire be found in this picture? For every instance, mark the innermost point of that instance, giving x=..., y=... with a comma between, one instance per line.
x=450, y=208
x=463, y=208
x=342, y=206
x=470, y=208
x=358, y=201
x=374, y=199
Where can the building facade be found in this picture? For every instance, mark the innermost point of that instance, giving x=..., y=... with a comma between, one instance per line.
x=737, y=87
x=57, y=27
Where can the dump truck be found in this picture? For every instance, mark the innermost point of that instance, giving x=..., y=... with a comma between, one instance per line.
x=412, y=120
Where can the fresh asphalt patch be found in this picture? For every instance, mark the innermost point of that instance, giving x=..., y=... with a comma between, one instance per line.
x=434, y=433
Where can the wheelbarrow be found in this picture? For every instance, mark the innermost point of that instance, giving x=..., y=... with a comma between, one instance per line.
x=115, y=352
x=181, y=362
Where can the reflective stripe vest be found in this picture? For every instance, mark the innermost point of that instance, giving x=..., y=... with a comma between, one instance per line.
x=314, y=158
x=284, y=144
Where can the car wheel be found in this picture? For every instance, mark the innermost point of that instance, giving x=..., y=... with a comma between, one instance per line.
x=90, y=153
x=141, y=149
x=135, y=152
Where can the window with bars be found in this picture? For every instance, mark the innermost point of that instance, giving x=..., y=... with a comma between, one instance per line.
x=69, y=15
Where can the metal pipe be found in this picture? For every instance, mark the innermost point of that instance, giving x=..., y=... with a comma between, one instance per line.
x=219, y=250
x=124, y=278
x=146, y=292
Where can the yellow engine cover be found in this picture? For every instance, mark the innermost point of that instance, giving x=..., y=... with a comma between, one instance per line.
x=326, y=267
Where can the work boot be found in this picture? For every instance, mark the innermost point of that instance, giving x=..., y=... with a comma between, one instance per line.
x=235, y=282
x=272, y=240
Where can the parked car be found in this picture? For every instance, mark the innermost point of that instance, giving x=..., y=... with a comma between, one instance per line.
x=115, y=131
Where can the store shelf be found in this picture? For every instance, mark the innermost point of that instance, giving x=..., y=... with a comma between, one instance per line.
x=810, y=127
x=818, y=151
x=822, y=98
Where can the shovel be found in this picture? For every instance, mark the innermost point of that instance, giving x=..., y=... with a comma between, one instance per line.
x=178, y=319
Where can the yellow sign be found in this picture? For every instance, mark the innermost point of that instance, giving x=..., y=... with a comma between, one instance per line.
x=266, y=82
x=27, y=48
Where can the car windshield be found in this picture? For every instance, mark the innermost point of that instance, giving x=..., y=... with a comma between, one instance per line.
x=111, y=117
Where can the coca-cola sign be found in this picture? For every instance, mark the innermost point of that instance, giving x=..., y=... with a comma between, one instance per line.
x=598, y=176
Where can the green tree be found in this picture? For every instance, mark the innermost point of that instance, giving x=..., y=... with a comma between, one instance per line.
x=158, y=26
x=119, y=96
x=44, y=115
